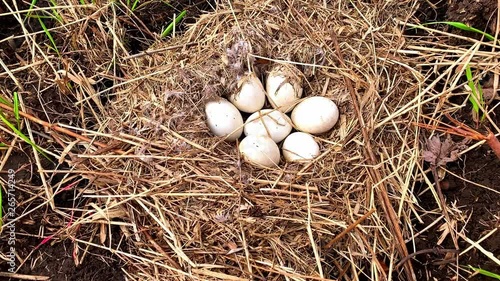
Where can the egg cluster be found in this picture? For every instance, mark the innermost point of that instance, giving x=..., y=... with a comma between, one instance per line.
x=264, y=129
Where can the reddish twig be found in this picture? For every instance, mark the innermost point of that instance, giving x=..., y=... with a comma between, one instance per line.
x=58, y=129
x=348, y=229
x=460, y=129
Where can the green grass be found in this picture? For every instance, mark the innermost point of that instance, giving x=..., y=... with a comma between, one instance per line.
x=170, y=27
x=16, y=109
x=54, y=16
x=464, y=27
x=16, y=129
x=32, y=5
x=476, y=98
x=4, y=101
x=485, y=272
x=20, y=134
x=133, y=5
x=51, y=39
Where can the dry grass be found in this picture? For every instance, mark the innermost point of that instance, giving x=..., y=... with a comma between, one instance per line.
x=173, y=202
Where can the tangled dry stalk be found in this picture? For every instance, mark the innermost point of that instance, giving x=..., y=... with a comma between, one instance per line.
x=175, y=203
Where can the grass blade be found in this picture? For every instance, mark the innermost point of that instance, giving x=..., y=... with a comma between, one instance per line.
x=134, y=6
x=32, y=5
x=476, y=98
x=4, y=101
x=55, y=14
x=51, y=39
x=170, y=27
x=473, y=98
x=464, y=27
x=485, y=272
x=22, y=136
x=16, y=109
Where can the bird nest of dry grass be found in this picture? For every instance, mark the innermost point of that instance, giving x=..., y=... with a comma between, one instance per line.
x=189, y=205
x=186, y=205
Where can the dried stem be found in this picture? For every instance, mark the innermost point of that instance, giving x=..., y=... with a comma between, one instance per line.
x=59, y=129
x=382, y=194
x=349, y=228
x=465, y=131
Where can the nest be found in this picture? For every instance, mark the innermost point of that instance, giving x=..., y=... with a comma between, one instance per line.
x=187, y=206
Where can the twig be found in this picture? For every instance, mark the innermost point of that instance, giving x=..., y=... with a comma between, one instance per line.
x=349, y=229
x=444, y=208
x=58, y=129
x=23, y=276
x=465, y=131
x=436, y=251
x=160, y=249
x=150, y=52
x=375, y=174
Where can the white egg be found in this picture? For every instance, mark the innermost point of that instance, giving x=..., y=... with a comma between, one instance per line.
x=300, y=146
x=268, y=122
x=315, y=115
x=224, y=119
x=251, y=96
x=260, y=150
x=284, y=87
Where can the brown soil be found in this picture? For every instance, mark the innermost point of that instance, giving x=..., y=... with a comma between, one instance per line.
x=480, y=14
x=480, y=166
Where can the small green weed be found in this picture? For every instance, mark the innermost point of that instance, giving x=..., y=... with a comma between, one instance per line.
x=4, y=101
x=16, y=109
x=464, y=27
x=485, y=272
x=132, y=5
x=476, y=97
x=51, y=39
x=170, y=27
x=54, y=16
x=16, y=129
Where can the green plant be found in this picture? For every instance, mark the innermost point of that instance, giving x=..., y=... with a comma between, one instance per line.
x=485, y=272
x=16, y=109
x=170, y=27
x=476, y=98
x=464, y=27
x=55, y=15
x=5, y=120
x=133, y=5
x=51, y=39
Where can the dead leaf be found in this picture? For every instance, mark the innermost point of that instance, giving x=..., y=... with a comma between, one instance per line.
x=231, y=245
x=439, y=153
x=233, y=248
x=221, y=217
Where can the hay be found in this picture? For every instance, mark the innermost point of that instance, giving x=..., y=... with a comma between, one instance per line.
x=190, y=207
